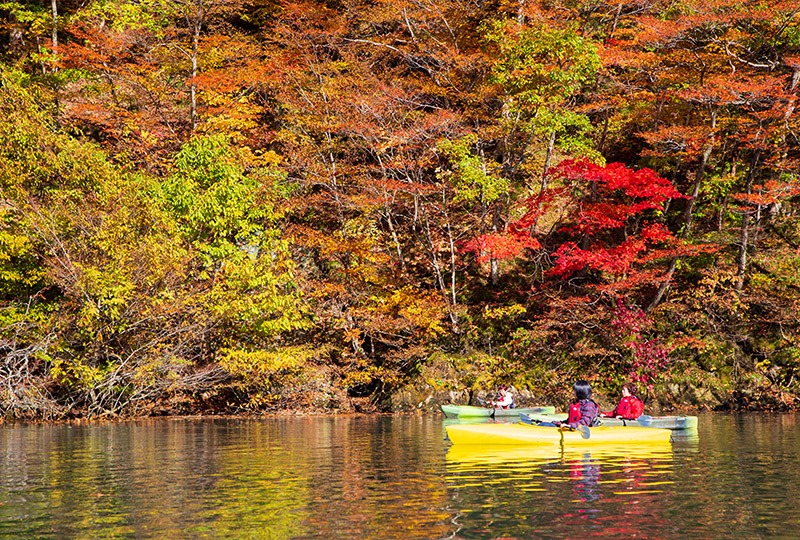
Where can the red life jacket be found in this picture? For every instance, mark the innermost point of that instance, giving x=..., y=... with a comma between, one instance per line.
x=630, y=407
x=575, y=413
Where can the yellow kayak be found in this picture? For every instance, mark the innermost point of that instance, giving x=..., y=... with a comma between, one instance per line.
x=503, y=434
x=466, y=456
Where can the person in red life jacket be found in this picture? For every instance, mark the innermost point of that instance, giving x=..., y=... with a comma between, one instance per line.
x=630, y=407
x=583, y=411
x=505, y=398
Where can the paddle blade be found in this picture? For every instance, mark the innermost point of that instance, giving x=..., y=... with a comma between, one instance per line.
x=525, y=419
x=645, y=420
x=583, y=430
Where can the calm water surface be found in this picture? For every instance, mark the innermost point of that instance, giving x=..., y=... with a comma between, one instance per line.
x=379, y=477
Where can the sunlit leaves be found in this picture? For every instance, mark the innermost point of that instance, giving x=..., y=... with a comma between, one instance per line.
x=501, y=246
x=259, y=366
x=418, y=311
x=541, y=68
x=470, y=175
x=229, y=217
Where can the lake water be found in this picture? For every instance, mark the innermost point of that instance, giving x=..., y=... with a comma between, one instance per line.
x=390, y=477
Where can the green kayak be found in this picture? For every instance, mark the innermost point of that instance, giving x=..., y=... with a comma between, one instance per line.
x=462, y=411
x=663, y=422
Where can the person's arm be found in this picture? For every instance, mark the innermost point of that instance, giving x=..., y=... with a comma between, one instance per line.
x=615, y=413
x=617, y=410
x=507, y=399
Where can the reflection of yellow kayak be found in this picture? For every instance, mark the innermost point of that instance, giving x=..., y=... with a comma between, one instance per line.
x=524, y=434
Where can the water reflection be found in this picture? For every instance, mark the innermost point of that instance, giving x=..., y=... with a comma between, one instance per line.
x=612, y=489
x=380, y=477
x=190, y=478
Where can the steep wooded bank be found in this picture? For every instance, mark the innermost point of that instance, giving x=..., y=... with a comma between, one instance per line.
x=229, y=206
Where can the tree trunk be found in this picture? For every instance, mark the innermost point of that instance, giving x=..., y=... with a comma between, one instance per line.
x=493, y=265
x=550, y=145
x=54, y=7
x=398, y=248
x=744, y=238
x=494, y=272
x=198, y=24
x=616, y=21
x=453, y=314
x=602, y=142
x=448, y=295
x=687, y=215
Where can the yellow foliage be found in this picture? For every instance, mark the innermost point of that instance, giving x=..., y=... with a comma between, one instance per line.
x=75, y=372
x=258, y=365
x=423, y=310
x=718, y=288
x=366, y=374
x=504, y=311
x=259, y=400
x=232, y=116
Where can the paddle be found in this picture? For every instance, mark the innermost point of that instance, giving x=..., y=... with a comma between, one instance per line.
x=580, y=428
x=645, y=420
x=484, y=403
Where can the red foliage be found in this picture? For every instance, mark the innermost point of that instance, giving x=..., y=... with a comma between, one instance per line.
x=598, y=216
x=620, y=194
x=643, y=184
x=649, y=358
x=607, y=220
x=501, y=246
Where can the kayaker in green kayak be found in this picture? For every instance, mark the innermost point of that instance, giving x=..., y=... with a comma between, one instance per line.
x=630, y=407
x=505, y=398
x=583, y=411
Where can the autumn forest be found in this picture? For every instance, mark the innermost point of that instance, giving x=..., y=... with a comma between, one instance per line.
x=232, y=206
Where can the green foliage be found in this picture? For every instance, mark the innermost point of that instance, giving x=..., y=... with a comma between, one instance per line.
x=20, y=271
x=37, y=17
x=264, y=370
x=229, y=218
x=541, y=65
x=152, y=15
x=121, y=249
x=541, y=69
x=469, y=175
x=218, y=208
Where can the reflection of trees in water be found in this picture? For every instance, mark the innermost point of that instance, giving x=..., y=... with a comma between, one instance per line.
x=297, y=477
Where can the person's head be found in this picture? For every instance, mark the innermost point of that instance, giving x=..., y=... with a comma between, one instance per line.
x=503, y=388
x=582, y=389
x=628, y=389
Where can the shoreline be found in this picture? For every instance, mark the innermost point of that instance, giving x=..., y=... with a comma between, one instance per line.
x=296, y=413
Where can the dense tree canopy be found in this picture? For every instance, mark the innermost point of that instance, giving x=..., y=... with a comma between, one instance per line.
x=229, y=205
